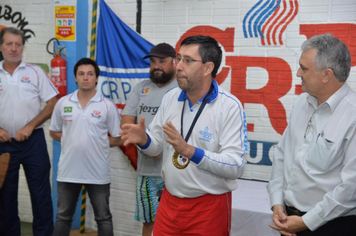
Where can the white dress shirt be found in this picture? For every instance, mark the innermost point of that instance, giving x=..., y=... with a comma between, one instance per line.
x=314, y=166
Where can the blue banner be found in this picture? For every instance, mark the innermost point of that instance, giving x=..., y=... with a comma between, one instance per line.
x=119, y=53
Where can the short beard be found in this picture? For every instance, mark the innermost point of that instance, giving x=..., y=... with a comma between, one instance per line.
x=163, y=78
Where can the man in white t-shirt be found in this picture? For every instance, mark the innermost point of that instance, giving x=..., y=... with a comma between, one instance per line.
x=23, y=87
x=81, y=121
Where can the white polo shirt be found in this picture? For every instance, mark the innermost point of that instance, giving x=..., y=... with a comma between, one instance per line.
x=85, y=144
x=21, y=95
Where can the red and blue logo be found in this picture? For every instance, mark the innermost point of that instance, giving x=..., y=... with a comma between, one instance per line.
x=269, y=20
x=96, y=114
x=25, y=80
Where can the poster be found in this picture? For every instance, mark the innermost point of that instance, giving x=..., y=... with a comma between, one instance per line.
x=65, y=17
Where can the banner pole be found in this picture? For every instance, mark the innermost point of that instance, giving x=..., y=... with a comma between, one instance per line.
x=92, y=56
x=93, y=30
x=82, y=216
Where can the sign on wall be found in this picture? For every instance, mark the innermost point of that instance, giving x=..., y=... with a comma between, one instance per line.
x=64, y=18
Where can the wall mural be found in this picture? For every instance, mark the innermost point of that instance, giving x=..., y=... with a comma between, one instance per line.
x=279, y=77
x=268, y=21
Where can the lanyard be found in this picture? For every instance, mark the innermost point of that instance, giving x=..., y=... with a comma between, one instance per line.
x=205, y=101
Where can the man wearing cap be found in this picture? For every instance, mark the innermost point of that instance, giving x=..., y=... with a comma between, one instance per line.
x=144, y=101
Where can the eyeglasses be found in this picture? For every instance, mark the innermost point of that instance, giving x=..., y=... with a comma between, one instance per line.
x=187, y=61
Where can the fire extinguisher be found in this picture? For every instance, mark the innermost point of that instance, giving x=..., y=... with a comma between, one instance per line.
x=58, y=69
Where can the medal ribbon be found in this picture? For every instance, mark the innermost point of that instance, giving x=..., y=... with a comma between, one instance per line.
x=205, y=101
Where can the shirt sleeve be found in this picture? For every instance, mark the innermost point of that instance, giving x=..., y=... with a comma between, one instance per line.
x=275, y=185
x=229, y=161
x=113, y=119
x=56, y=123
x=132, y=103
x=155, y=134
x=46, y=87
x=342, y=199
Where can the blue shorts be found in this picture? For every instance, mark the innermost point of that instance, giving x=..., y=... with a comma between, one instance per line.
x=147, y=199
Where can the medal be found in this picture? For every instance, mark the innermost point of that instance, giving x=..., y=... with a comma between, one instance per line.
x=179, y=161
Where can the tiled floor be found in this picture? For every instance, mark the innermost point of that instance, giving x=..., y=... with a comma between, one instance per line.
x=26, y=230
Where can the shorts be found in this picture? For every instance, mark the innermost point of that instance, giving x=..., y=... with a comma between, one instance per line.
x=147, y=199
x=207, y=215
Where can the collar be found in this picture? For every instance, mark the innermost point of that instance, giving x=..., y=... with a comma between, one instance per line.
x=97, y=97
x=334, y=100
x=183, y=95
x=22, y=64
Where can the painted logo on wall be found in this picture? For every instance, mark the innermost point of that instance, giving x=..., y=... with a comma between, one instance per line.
x=269, y=20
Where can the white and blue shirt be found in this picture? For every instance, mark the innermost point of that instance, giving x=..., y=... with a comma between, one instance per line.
x=219, y=138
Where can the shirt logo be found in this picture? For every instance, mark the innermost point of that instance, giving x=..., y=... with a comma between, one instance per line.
x=67, y=109
x=206, y=135
x=96, y=114
x=68, y=118
x=25, y=80
x=146, y=91
x=148, y=109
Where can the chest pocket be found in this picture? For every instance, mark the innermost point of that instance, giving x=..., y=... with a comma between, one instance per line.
x=97, y=124
x=27, y=90
x=326, y=154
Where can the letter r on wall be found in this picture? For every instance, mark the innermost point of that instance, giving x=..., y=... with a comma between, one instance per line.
x=278, y=85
